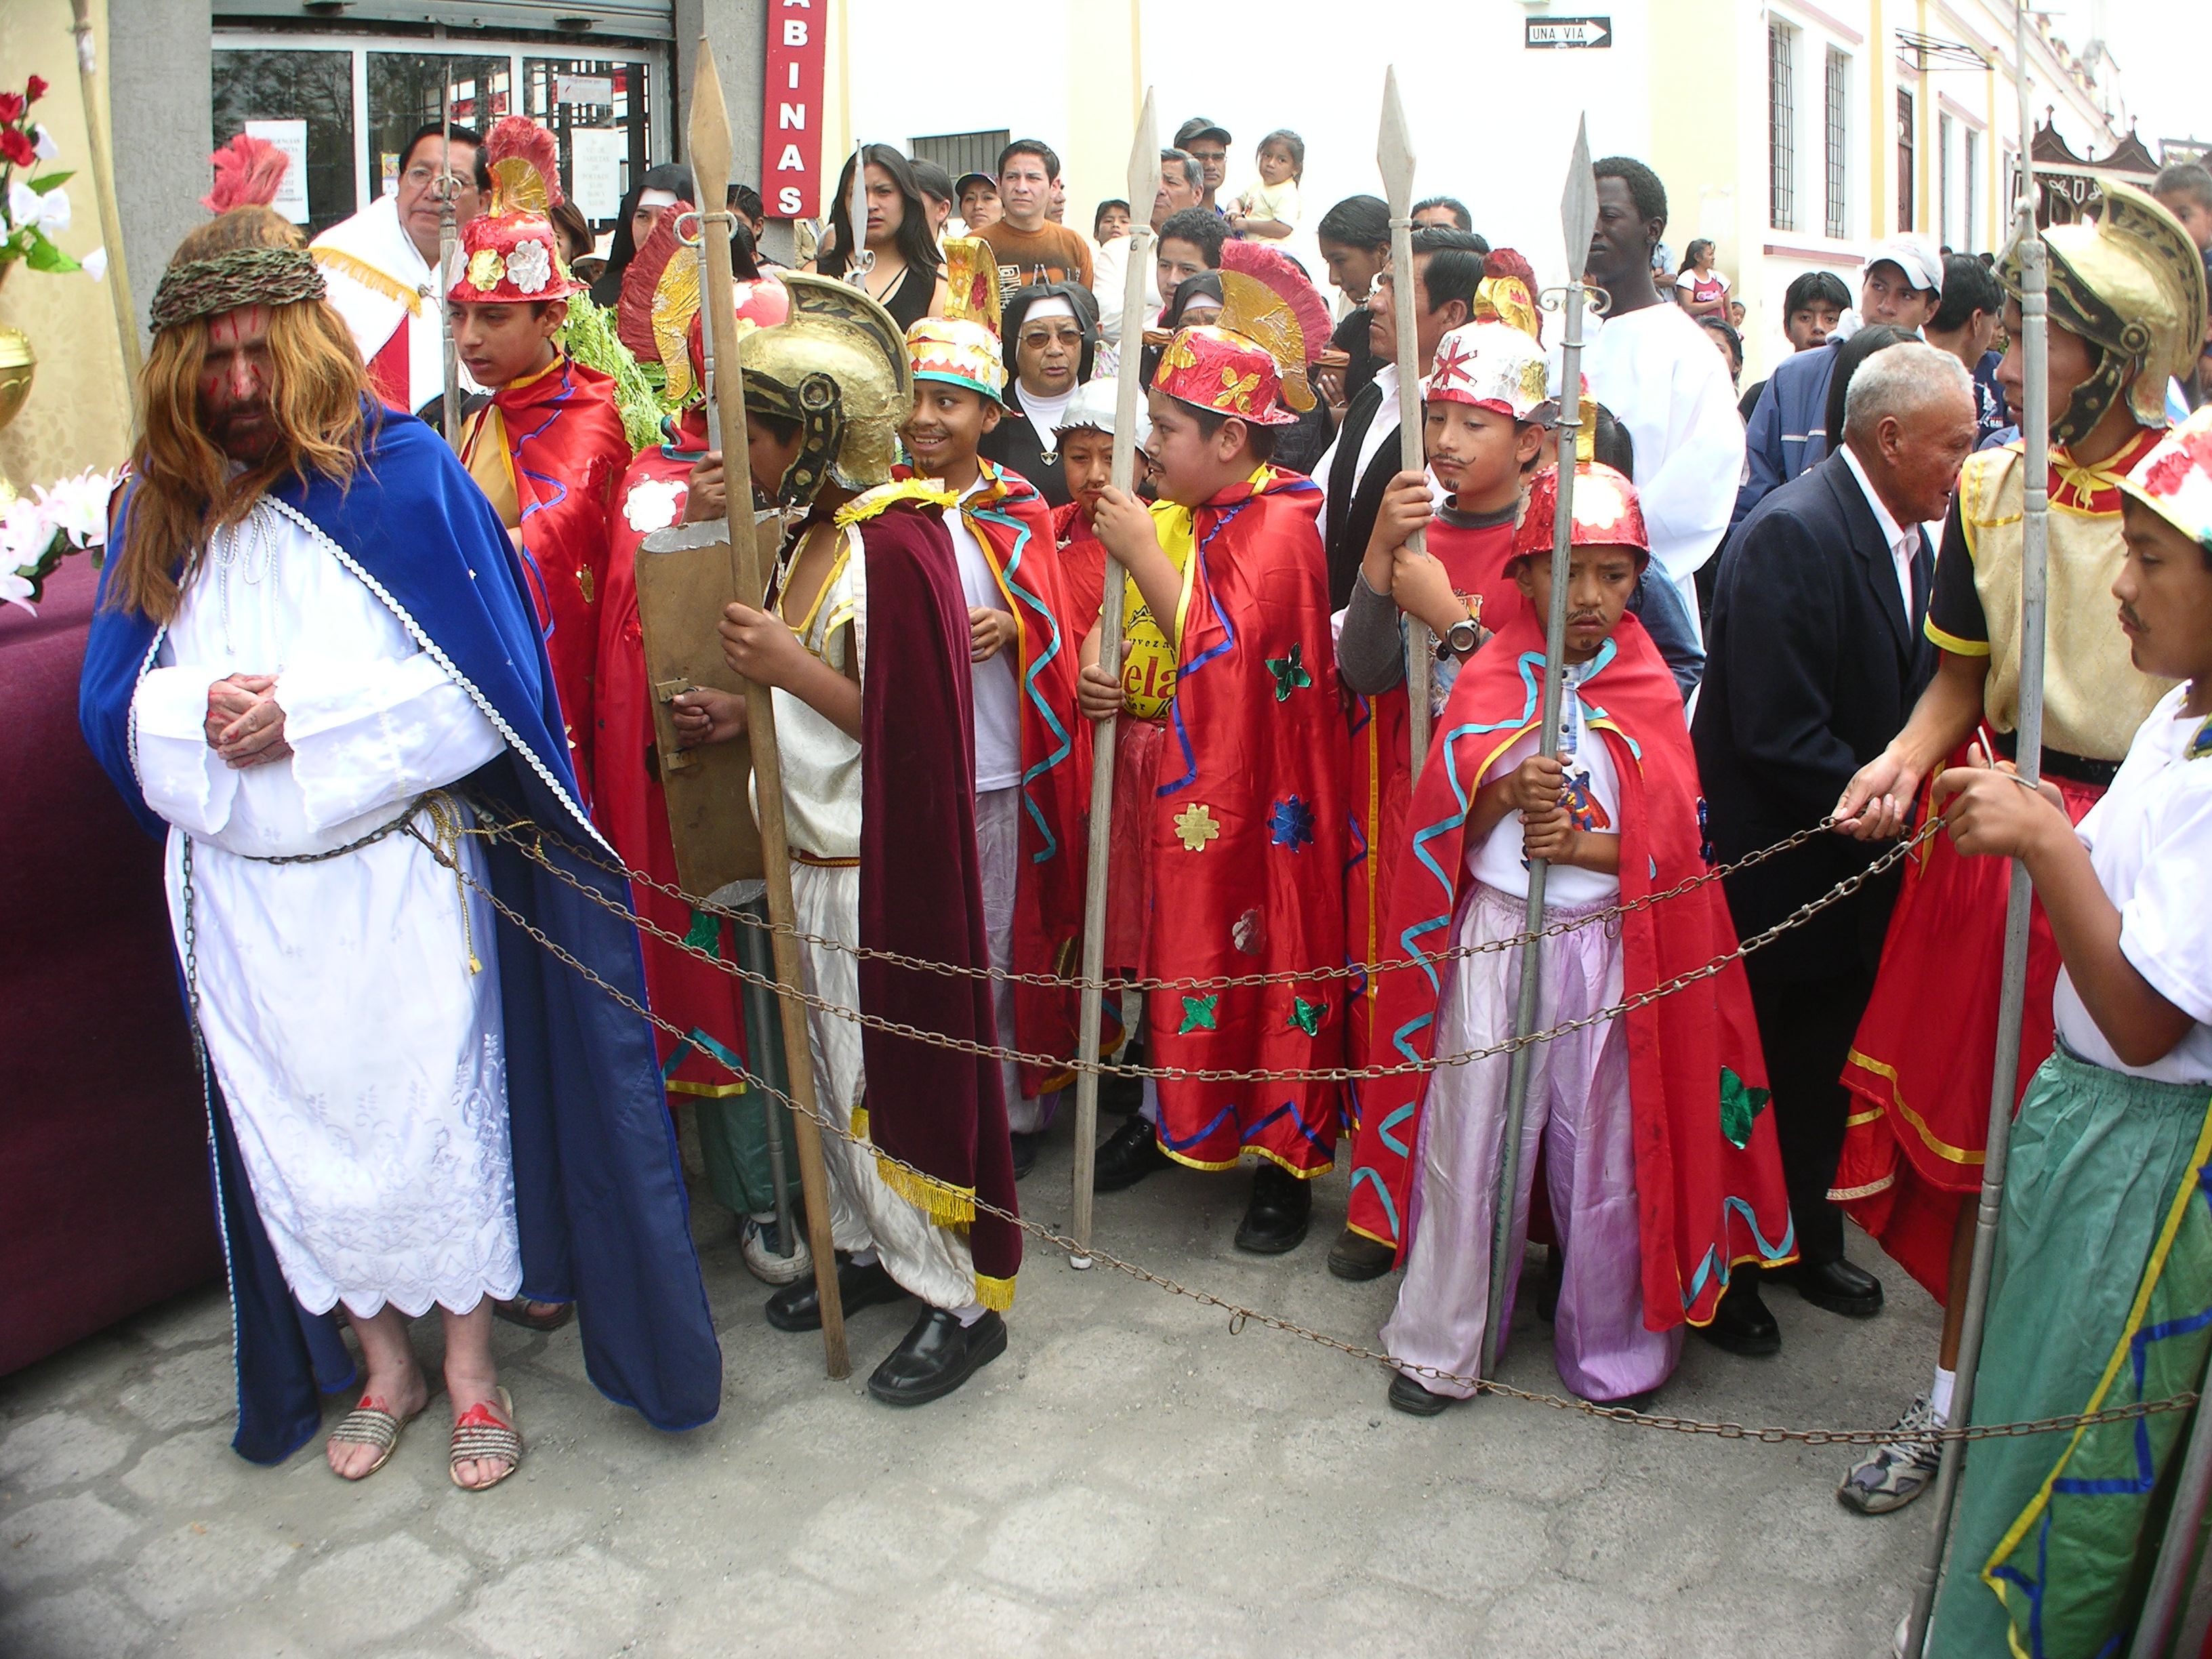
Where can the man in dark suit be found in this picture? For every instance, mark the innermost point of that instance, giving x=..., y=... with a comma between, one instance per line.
x=1816, y=657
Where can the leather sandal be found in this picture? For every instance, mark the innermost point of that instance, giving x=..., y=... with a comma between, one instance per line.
x=369, y=1425
x=480, y=1436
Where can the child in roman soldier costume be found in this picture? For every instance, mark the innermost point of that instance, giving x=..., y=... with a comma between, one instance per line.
x=1662, y=1169
x=1032, y=755
x=1229, y=833
x=549, y=448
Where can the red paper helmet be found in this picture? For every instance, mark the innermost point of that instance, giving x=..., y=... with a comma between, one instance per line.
x=1212, y=368
x=1606, y=512
x=512, y=254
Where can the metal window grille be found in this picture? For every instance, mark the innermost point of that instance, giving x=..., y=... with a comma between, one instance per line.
x=1904, y=129
x=1943, y=192
x=960, y=153
x=1781, y=128
x=1838, y=72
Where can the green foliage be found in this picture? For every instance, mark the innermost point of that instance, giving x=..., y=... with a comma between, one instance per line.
x=590, y=337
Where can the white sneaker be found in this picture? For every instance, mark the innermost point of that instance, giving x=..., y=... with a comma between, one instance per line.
x=760, y=1244
x=1898, y=1472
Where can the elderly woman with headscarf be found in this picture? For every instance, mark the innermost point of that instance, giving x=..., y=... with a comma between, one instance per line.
x=1050, y=335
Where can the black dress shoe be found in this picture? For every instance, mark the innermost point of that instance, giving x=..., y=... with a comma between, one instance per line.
x=1554, y=1279
x=1130, y=1153
x=1836, y=1285
x=937, y=1356
x=1408, y=1396
x=1025, y=1151
x=798, y=1306
x=1122, y=1094
x=1275, y=1220
x=1356, y=1256
x=1741, y=1323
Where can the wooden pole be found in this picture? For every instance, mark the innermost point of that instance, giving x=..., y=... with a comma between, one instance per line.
x=1393, y=154
x=708, y=139
x=1144, y=184
x=103, y=179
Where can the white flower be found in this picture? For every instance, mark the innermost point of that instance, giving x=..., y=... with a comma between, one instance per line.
x=95, y=263
x=49, y=210
x=530, y=266
x=16, y=590
x=43, y=145
x=25, y=531
x=655, y=504
x=78, y=508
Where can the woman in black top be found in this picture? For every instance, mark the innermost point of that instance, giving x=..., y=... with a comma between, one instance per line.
x=907, y=276
x=1025, y=440
x=670, y=177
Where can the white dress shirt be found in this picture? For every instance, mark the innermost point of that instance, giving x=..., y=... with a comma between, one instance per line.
x=1904, y=540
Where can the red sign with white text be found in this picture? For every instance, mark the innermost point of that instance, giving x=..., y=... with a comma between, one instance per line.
x=791, y=111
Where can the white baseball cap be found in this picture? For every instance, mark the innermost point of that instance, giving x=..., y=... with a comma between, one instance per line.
x=1916, y=255
x=1092, y=408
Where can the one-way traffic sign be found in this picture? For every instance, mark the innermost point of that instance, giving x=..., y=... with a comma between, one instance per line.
x=1557, y=33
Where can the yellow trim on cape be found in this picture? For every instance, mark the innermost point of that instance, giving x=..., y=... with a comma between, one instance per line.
x=996, y=1294
x=869, y=503
x=1257, y=1151
x=1942, y=1149
x=2152, y=1272
x=707, y=1091
x=376, y=282
x=946, y=1205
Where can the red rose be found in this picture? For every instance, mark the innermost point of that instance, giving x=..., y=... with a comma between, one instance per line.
x=17, y=148
x=2166, y=478
x=35, y=91
x=11, y=107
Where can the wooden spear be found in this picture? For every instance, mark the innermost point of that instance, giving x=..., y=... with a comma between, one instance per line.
x=1144, y=185
x=1393, y=154
x=708, y=139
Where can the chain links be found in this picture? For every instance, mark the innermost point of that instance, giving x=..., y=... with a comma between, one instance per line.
x=1240, y=1317
x=508, y=830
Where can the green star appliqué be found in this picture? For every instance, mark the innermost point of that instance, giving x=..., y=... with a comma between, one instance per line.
x=1741, y=1105
x=1198, y=1014
x=1289, y=672
x=705, y=934
x=1306, y=1015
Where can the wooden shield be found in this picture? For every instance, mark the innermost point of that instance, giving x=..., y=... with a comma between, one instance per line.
x=681, y=592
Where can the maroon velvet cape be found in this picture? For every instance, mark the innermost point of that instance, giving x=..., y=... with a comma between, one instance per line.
x=921, y=894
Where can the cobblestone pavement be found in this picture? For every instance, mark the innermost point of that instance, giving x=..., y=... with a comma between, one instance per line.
x=1129, y=1479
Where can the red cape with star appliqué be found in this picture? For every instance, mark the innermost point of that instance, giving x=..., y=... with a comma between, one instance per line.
x=565, y=444
x=1381, y=780
x=630, y=806
x=1708, y=1171
x=1014, y=525
x=1247, y=837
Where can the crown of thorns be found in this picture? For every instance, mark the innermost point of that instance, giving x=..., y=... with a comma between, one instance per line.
x=243, y=276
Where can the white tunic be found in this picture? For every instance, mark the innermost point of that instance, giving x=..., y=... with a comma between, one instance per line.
x=362, y=1059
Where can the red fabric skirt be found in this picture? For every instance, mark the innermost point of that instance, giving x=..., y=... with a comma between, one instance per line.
x=1920, y=1067
x=1137, y=745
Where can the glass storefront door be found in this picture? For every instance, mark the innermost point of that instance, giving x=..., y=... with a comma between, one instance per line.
x=316, y=87
x=404, y=90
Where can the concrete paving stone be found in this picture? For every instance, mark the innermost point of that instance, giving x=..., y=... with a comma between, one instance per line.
x=1551, y=1620
x=379, y=1589
x=196, y=1470
x=1459, y=1543
x=966, y=1619
x=1084, y=1368
x=558, y=1515
x=58, y=1449
x=1776, y=1616
x=1822, y=1542
x=1655, y=1536
x=199, y=1385
x=86, y=1622
x=62, y=1536
x=892, y=1535
x=212, y=1564
x=1063, y=1546
x=583, y=1605
x=86, y=1371
x=754, y=1610
x=1376, y=1620
x=1183, y=1458
x=195, y=1317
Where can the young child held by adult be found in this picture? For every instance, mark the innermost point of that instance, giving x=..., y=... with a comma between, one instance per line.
x=549, y=448
x=1086, y=438
x=2102, y=1291
x=1032, y=755
x=1661, y=1166
x=1229, y=804
x=1269, y=207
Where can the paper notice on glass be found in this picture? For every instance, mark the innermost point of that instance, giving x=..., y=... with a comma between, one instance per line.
x=291, y=137
x=584, y=89
x=595, y=160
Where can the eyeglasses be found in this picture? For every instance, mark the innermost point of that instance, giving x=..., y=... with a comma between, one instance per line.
x=422, y=177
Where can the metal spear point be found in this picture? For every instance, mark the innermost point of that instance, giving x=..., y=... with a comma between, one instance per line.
x=861, y=258
x=1577, y=219
x=1144, y=184
x=2034, y=571
x=1393, y=154
x=448, y=234
x=708, y=139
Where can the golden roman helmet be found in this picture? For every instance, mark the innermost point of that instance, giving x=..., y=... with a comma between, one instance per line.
x=837, y=365
x=1251, y=308
x=2132, y=284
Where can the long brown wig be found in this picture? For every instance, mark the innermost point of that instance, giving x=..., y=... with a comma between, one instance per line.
x=182, y=485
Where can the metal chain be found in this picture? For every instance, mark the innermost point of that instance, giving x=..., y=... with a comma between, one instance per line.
x=1241, y=1316
x=1840, y=891
x=508, y=831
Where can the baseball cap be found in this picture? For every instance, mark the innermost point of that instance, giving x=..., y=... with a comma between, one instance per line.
x=960, y=185
x=1198, y=127
x=1917, y=257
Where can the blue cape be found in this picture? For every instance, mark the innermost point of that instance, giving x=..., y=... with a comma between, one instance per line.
x=599, y=1194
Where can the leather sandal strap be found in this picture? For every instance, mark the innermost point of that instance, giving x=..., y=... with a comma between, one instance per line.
x=367, y=1425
